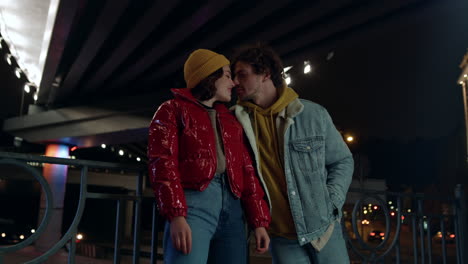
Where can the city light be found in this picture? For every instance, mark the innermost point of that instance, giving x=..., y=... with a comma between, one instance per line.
x=138, y=159
x=3, y=235
x=103, y=146
x=350, y=138
x=33, y=231
x=307, y=67
x=121, y=152
x=288, y=79
x=21, y=236
x=392, y=213
x=79, y=236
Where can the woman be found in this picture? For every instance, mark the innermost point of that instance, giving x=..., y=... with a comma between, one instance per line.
x=200, y=167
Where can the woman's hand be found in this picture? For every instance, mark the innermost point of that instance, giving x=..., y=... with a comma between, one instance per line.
x=181, y=234
x=262, y=239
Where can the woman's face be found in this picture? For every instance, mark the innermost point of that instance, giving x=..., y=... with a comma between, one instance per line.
x=224, y=86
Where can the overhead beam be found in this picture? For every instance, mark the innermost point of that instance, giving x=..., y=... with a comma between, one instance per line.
x=322, y=30
x=63, y=22
x=196, y=21
x=147, y=24
x=234, y=26
x=112, y=11
x=81, y=126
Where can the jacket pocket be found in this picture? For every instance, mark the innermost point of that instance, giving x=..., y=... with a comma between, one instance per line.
x=308, y=153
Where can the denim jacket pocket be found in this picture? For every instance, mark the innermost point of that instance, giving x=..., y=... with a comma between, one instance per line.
x=308, y=153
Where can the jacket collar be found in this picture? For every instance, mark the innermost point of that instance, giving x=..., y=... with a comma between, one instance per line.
x=293, y=109
x=185, y=94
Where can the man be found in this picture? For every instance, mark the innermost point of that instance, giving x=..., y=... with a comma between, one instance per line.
x=303, y=163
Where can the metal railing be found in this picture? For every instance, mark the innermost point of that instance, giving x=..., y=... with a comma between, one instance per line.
x=20, y=160
x=388, y=250
x=420, y=222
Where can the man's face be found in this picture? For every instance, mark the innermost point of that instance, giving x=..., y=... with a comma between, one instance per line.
x=247, y=81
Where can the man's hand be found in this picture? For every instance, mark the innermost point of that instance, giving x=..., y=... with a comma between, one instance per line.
x=262, y=240
x=181, y=234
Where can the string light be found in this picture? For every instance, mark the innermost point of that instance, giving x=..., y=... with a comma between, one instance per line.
x=18, y=72
x=8, y=59
x=27, y=89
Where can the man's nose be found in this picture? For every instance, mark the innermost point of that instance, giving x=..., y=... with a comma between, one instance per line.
x=236, y=82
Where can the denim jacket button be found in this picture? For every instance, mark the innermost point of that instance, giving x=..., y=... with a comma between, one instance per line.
x=308, y=147
x=293, y=193
x=303, y=239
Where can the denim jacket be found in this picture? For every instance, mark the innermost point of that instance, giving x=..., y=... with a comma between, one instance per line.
x=318, y=165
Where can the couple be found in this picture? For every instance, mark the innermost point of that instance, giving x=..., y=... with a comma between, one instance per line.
x=291, y=163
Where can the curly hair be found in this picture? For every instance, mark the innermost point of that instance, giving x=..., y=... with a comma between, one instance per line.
x=206, y=88
x=263, y=59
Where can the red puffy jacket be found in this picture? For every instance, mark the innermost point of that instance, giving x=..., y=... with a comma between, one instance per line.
x=182, y=154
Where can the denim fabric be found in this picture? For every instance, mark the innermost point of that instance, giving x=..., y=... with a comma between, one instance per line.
x=318, y=165
x=285, y=251
x=216, y=219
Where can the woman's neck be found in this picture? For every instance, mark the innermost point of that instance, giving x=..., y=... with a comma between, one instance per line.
x=208, y=103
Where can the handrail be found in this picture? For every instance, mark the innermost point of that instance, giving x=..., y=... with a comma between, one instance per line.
x=20, y=160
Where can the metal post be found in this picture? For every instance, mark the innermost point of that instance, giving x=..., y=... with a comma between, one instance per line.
x=461, y=220
x=415, y=239
x=154, y=235
x=421, y=230
x=71, y=252
x=118, y=231
x=136, y=228
x=429, y=240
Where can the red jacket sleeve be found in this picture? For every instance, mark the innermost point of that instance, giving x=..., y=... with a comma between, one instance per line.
x=257, y=210
x=163, y=164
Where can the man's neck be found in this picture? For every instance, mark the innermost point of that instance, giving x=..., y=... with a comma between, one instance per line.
x=267, y=98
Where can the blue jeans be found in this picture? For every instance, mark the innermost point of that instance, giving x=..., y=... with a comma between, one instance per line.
x=216, y=219
x=289, y=251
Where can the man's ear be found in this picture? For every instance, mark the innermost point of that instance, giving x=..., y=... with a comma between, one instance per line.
x=266, y=76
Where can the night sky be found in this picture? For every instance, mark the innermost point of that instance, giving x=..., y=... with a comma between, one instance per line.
x=394, y=86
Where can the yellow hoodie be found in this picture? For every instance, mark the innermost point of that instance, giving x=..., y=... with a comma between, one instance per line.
x=271, y=160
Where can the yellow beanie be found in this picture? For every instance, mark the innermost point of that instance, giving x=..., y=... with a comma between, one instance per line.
x=200, y=64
